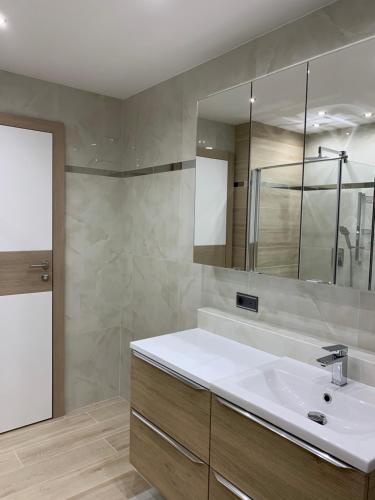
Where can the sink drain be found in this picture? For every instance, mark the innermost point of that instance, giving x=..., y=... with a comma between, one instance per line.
x=317, y=417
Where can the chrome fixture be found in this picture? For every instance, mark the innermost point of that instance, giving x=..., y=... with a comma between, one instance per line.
x=317, y=417
x=345, y=232
x=339, y=362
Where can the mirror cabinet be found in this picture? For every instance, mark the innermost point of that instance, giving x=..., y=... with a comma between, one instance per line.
x=285, y=172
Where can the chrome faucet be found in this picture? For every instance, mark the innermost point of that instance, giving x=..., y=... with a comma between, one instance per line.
x=339, y=361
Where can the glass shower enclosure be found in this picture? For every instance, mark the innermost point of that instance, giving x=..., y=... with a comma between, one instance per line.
x=314, y=220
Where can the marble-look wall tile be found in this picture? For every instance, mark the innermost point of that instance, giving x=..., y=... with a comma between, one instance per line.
x=155, y=297
x=129, y=132
x=159, y=124
x=92, y=366
x=96, y=284
x=93, y=129
x=28, y=96
x=92, y=122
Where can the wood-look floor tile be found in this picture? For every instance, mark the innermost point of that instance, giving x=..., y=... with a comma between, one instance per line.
x=150, y=494
x=127, y=485
x=118, y=408
x=95, y=406
x=78, y=483
x=8, y=463
x=78, y=458
x=37, y=432
x=63, y=443
x=120, y=441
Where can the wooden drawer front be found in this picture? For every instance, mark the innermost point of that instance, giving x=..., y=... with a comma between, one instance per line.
x=180, y=410
x=266, y=466
x=221, y=489
x=172, y=469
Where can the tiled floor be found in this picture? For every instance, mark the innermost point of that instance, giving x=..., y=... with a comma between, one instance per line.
x=84, y=455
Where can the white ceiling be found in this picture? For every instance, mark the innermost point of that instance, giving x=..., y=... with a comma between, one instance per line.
x=120, y=47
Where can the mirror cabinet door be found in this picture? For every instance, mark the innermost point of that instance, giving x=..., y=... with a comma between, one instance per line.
x=306, y=137
x=222, y=171
x=276, y=162
x=338, y=197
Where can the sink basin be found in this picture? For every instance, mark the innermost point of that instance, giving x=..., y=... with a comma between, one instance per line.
x=283, y=392
x=303, y=389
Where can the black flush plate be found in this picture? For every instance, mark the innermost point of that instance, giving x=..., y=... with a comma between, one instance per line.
x=249, y=302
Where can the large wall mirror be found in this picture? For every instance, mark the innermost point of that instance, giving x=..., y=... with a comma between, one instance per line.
x=286, y=172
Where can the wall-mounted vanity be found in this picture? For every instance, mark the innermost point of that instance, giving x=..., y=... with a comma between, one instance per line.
x=285, y=172
x=215, y=419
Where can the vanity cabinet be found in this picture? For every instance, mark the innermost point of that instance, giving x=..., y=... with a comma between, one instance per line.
x=267, y=466
x=171, y=468
x=192, y=445
x=179, y=407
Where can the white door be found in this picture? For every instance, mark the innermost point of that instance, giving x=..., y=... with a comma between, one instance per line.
x=25, y=277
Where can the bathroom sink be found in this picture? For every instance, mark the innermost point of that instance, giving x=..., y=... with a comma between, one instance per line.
x=283, y=392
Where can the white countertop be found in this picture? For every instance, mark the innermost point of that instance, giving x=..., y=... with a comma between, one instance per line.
x=201, y=356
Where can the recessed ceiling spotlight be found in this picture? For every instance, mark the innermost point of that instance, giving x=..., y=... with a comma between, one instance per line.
x=368, y=114
x=322, y=113
x=3, y=21
x=347, y=133
x=316, y=125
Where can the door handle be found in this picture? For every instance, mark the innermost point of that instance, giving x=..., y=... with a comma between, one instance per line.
x=44, y=264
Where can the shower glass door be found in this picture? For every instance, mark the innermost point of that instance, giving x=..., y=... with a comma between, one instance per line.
x=276, y=193
x=356, y=226
x=320, y=207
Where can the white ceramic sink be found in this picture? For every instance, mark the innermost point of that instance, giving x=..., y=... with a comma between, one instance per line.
x=284, y=391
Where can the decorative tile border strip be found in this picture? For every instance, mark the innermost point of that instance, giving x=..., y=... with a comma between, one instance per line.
x=123, y=174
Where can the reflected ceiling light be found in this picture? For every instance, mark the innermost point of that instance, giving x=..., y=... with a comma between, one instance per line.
x=368, y=114
x=208, y=147
x=316, y=125
x=322, y=113
x=252, y=100
x=3, y=21
x=347, y=133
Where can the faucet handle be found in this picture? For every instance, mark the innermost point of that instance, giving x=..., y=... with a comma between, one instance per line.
x=339, y=349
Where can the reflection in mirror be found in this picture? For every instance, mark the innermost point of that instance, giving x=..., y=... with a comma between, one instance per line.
x=222, y=178
x=337, y=224
x=276, y=160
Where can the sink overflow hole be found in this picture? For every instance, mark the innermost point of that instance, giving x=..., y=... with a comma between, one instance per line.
x=327, y=397
x=317, y=417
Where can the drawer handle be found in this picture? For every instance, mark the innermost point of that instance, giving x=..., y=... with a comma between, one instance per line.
x=299, y=442
x=230, y=487
x=173, y=374
x=167, y=438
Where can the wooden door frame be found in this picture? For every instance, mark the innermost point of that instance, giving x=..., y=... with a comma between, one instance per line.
x=58, y=246
x=217, y=154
